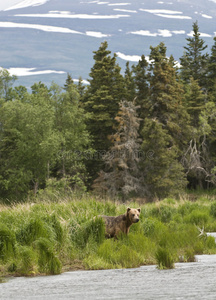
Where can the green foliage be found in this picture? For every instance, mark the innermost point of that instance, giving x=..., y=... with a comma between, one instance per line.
x=197, y=217
x=213, y=209
x=189, y=255
x=27, y=261
x=48, y=261
x=210, y=242
x=163, y=174
x=194, y=61
x=92, y=231
x=122, y=176
x=33, y=230
x=164, y=259
x=7, y=243
x=48, y=237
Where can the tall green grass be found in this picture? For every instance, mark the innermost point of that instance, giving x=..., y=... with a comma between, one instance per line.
x=48, y=237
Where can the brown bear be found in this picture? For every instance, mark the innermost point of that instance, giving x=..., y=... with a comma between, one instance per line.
x=115, y=225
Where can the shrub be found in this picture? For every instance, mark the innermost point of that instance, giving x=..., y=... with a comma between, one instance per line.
x=93, y=230
x=164, y=258
x=210, y=242
x=163, y=212
x=213, y=209
x=56, y=227
x=33, y=230
x=27, y=259
x=189, y=255
x=7, y=243
x=119, y=255
x=48, y=261
x=197, y=217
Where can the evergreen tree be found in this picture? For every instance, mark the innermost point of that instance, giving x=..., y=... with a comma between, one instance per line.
x=163, y=174
x=130, y=93
x=122, y=176
x=101, y=101
x=81, y=88
x=194, y=101
x=199, y=157
x=166, y=97
x=103, y=96
x=69, y=81
x=194, y=61
x=166, y=129
x=211, y=76
x=141, y=87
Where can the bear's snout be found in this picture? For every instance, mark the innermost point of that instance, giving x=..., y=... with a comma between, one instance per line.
x=137, y=220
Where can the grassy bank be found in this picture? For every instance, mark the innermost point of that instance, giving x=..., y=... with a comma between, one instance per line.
x=48, y=237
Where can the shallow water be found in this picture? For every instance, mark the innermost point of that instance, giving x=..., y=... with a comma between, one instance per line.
x=187, y=281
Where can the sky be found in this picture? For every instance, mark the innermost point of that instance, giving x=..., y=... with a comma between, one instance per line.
x=5, y=4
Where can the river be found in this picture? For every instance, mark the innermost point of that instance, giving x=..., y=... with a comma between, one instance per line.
x=187, y=281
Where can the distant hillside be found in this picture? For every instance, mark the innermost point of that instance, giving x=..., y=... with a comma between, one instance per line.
x=45, y=39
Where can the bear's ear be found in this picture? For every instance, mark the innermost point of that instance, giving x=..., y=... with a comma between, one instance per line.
x=139, y=210
x=128, y=209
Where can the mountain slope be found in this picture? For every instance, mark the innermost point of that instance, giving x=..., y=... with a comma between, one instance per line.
x=45, y=39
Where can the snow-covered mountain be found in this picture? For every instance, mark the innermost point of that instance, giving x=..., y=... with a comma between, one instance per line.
x=46, y=39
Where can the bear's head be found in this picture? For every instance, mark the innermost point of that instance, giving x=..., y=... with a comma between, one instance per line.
x=133, y=214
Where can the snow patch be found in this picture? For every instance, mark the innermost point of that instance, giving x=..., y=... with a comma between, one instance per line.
x=73, y=16
x=59, y=12
x=161, y=2
x=206, y=16
x=97, y=34
x=125, y=10
x=118, y=4
x=51, y=29
x=133, y=58
x=27, y=3
x=166, y=13
x=161, y=32
x=38, y=27
x=174, y=16
x=31, y=71
x=179, y=31
x=161, y=11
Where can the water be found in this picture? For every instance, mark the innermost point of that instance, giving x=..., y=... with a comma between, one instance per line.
x=187, y=281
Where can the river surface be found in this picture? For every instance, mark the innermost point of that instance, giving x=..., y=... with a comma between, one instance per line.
x=187, y=281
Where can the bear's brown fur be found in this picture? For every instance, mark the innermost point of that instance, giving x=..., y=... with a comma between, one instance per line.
x=115, y=225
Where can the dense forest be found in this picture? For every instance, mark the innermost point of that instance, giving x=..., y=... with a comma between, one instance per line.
x=149, y=131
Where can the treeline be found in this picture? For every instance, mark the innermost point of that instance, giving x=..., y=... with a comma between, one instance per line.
x=150, y=132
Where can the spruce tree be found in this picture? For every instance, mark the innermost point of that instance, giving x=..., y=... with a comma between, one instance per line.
x=163, y=174
x=141, y=87
x=211, y=76
x=166, y=129
x=101, y=101
x=103, y=95
x=194, y=60
x=130, y=92
x=194, y=102
x=69, y=81
x=166, y=96
x=122, y=177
